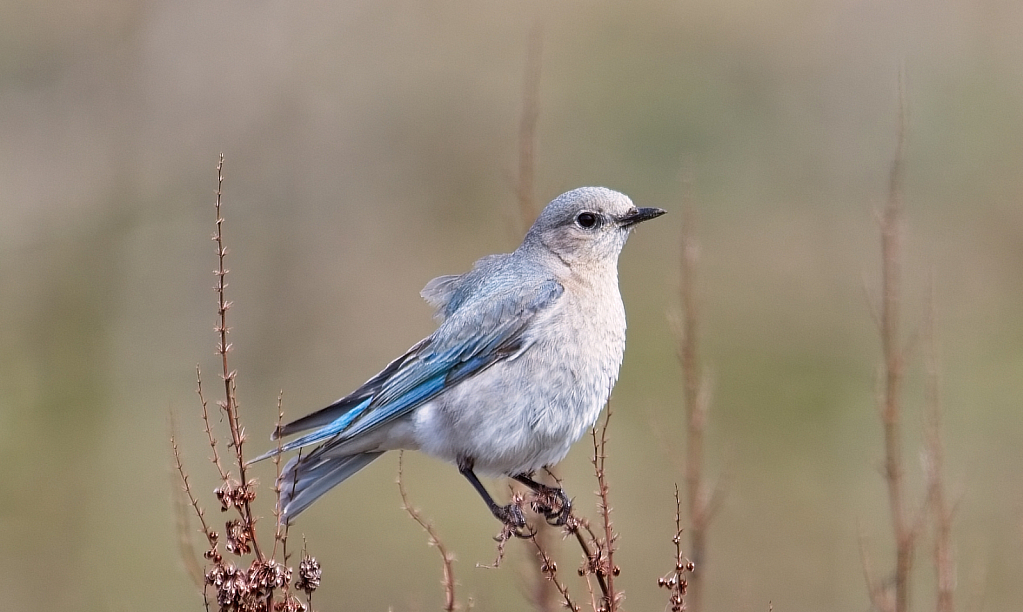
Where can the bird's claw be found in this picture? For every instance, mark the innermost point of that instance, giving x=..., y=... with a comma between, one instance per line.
x=514, y=522
x=554, y=505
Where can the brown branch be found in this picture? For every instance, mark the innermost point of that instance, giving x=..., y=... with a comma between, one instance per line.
x=545, y=591
x=892, y=370
x=606, y=568
x=575, y=526
x=230, y=403
x=447, y=559
x=185, y=546
x=676, y=581
x=696, y=396
x=280, y=533
x=549, y=570
x=188, y=491
x=263, y=583
x=215, y=459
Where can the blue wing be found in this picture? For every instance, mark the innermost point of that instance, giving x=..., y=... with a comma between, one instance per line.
x=476, y=335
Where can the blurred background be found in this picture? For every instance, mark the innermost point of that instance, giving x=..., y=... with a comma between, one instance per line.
x=372, y=145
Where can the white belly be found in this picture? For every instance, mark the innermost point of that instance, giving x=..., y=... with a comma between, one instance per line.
x=521, y=415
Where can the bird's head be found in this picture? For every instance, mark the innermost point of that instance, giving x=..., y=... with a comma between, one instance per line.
x=587, y=226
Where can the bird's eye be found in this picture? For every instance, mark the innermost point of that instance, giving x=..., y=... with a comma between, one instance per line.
x=586, y=220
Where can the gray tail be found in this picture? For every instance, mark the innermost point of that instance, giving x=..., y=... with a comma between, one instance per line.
x=304, y=480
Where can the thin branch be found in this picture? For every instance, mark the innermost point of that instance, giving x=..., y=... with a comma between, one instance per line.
x=676, y=581
x=549, y=570
x=544, y=591
x=607, y=568
x=280, y=533
x=215, y=459
x=591, y=556
x=893, y=364
x=696, y=387
x=181, y=511
x=447, y=559
x=230, y=403
x=228, y=585
x=206, y=531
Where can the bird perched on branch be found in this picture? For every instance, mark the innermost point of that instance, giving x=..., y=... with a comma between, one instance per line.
x=527, y=351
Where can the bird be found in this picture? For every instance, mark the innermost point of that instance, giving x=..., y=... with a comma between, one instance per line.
x=526, y=353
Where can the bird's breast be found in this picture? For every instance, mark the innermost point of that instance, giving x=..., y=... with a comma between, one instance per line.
x=582, y=349
x=525, y=412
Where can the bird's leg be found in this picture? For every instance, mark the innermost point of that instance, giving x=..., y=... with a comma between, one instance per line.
x=550, y=501
x=511, y=515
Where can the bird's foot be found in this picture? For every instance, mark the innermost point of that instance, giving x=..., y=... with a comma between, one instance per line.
x=514, y=522
x=553, y=504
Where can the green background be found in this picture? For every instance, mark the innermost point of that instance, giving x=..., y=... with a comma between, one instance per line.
x=371, y=146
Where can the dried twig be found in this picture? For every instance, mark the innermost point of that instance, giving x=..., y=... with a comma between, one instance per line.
x=280, y=529
x=605, y=568
x=215, y=458
x=236, y=588
x=229, y=404
x=676, y=581
x=181, y=511
x=701, y=502
x=549, y=571
x=892, y=367
x=447, y=558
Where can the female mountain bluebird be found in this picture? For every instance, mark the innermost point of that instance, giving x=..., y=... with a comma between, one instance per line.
x=526, y=354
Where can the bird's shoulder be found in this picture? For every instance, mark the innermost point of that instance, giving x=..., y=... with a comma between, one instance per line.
x=499, y=280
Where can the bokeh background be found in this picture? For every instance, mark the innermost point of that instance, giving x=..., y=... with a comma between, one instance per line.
x=371, y=145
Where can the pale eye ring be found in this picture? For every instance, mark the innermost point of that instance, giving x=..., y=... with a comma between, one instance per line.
x=587, y=220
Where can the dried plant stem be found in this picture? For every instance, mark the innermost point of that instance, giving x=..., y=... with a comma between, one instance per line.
x=188, y=489
x=545, y=592
x=280, y=531
x=185, y=541
x=549, y=571
x=892, y=367
x=676, y=580
x=230, y=403
x=606, y=568
x=265, y=583
x=700, y=500
x=896, y=597
x=695, y=398
x=215, y=458
x=447, y=558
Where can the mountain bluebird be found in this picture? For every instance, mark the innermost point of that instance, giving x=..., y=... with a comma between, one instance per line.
x=526, y=354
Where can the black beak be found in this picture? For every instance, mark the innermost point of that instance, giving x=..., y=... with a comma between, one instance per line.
x=639, y=215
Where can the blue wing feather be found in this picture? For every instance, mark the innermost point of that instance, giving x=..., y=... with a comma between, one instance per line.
x=461, y=347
